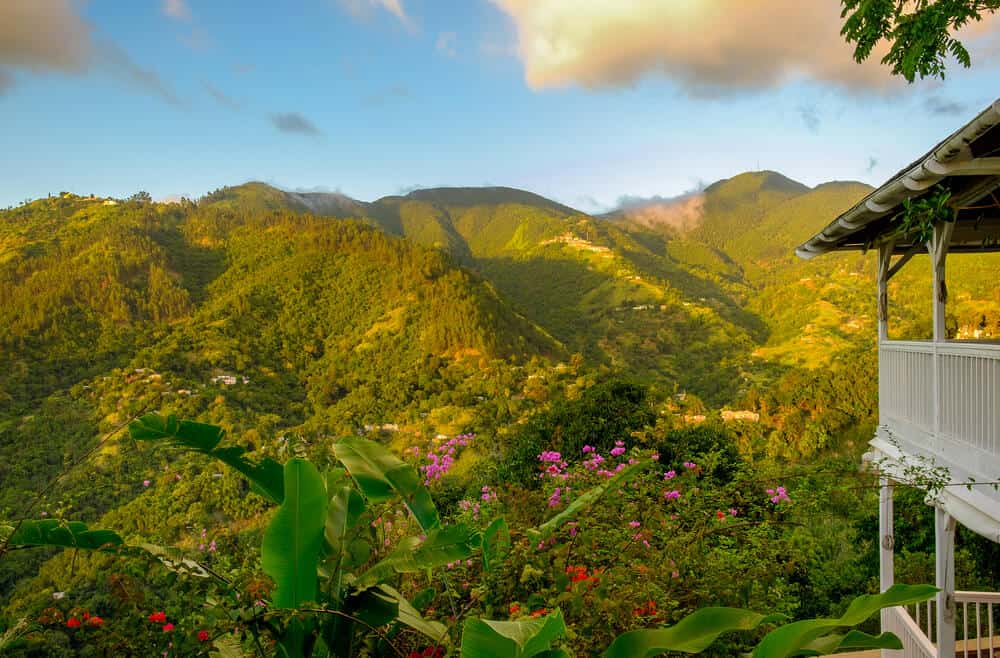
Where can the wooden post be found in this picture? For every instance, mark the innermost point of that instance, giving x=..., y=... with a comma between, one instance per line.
x=938, y=248
x=944, y=569
x=884, y=259
x=885, y=534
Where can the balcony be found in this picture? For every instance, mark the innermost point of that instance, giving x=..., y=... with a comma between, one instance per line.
x=939, y=403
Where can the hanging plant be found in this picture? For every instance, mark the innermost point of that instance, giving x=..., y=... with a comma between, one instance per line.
x=919, y=216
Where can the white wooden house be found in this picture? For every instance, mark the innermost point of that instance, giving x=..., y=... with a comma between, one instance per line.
x=939, y=400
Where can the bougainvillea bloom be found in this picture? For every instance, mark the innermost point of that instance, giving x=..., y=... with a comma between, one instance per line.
x=158, y=617
x=203, y=636
x=72, y=622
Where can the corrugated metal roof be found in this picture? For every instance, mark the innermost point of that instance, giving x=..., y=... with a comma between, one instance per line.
x=972, y=153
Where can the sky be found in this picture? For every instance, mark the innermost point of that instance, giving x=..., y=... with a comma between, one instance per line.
x=582, y=101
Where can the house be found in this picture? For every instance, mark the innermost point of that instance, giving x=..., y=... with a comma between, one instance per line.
x=939, y=400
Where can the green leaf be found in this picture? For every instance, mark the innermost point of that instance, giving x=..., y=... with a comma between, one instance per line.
x=448, y=544
x=852, y=640
x=379, y=475
x=57, y=532
x=345, y=508
x=692, y=634
x=265, y=476
x=792, y=638
x=482, y=638
x=292, y=541
x=586, y=500
x=496, y=538
x=411, y=617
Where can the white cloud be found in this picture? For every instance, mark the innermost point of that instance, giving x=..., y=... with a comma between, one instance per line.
x=707, y=46
x=362, y=8
x=177, y=9
x=447, y=44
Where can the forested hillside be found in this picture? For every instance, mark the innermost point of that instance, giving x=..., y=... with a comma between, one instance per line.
x=501, y=343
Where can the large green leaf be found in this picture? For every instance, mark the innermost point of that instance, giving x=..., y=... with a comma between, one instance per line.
x=380, y=475
x=586, y=500
x=482, y=638
x=292, y=541
x=793, y=638
x=57, y=532
x=411, y=617
x=345, y=508
x=692, y=634
x=265, y=475
x=442, y=546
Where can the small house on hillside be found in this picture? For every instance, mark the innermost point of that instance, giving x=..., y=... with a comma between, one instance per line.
x=939, y=400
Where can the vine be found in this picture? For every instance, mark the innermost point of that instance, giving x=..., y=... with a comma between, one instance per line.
x=918, y=218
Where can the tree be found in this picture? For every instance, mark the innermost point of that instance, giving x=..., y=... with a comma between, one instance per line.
x=919, y=33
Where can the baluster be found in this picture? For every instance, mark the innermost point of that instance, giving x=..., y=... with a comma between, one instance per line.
x=965, y=629
x=979, y=632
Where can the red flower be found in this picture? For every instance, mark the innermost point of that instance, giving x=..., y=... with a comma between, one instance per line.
x=86, y=616
x=720, y=515
x=539, y=612
x=167, y=628
x=95, y=621
x=158, y=617
x=72, y=622
x=514, y=608
x=203, y=636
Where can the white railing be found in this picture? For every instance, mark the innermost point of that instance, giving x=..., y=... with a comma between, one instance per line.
x=945, y=397
x=977, y=622
x=915, y=643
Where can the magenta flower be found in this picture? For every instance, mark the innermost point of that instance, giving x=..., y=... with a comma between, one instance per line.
x=690, y=465
x=672, y=495
x=619, y=449
x=146, y=483
x=670, y=475
x=634, y=524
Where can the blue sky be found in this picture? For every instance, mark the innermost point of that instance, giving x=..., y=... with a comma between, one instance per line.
x=373, y=97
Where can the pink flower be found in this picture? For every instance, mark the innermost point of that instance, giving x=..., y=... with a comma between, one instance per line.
x=634, y=524
x=732, y=511
x=672, y=495
x=690, y=465
x=619, y=449
x=655, y=456
x=670, y=475
x=146, y=483
x=587, y=449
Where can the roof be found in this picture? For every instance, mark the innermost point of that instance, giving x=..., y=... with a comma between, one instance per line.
x=967, y=162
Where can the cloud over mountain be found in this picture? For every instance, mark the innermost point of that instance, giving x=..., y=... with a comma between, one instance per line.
x=706, y=46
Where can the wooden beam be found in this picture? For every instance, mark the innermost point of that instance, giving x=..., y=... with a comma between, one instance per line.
x=898, y=265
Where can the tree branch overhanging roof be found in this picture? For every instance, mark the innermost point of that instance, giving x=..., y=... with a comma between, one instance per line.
x=967, y=163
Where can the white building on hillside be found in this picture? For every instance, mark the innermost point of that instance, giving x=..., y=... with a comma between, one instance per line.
x=939, y=400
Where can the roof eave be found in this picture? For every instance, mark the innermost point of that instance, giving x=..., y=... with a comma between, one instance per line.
x=951, y=157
